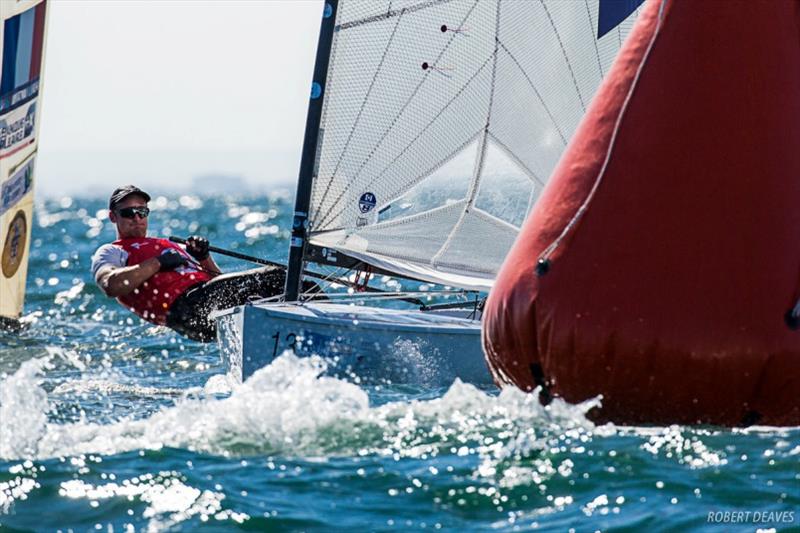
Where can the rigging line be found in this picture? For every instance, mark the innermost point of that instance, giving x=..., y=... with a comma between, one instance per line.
x=398, y=115
x=331, y=278
x=564, y=51
x=536, y=91
x=476, y=178
x=594, y=39
x=576, y=218
x=413, y=141
x=390, y=14
x=361, y=109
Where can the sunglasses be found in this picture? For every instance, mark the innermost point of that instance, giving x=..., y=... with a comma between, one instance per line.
x=130, y=212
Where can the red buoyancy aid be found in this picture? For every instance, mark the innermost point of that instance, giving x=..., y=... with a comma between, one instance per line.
x=153, y=298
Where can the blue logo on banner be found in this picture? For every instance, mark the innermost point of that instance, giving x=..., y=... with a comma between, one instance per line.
x=367, y=202
x=16, y=187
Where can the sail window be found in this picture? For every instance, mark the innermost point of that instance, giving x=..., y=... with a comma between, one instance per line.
x=445, y=186
x=506, y=189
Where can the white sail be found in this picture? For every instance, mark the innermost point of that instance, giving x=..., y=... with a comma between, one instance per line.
x=442, y=121
x=22, y=37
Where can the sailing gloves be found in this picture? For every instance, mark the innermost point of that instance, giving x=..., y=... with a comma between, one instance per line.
x=170, y=260
x=197, y=247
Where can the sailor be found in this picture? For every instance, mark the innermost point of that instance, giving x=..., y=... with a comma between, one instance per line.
x=165, y=284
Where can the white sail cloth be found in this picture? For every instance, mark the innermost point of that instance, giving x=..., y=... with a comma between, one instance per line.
x=441, y=124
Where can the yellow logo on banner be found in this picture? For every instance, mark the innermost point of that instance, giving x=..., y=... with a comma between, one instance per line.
x=14, y=247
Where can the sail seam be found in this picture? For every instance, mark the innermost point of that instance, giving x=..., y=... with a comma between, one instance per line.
x=390, y=14
x=594, y=41
x=428, y=173
x=511, y=155
x=493, y=219
x=399, y=221
x=479, y=164
x=564, y=52
x=394, y=121
x=536, y=91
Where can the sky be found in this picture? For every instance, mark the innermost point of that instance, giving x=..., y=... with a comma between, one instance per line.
x=158, y=92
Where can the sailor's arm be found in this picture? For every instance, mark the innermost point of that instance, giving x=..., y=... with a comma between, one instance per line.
x=119, y=281
x=210, y=266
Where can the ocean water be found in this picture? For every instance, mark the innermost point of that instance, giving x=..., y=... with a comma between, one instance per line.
x=110, y=424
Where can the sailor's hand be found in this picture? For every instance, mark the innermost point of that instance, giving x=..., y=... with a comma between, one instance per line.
x=170, y=260
x=197, y=247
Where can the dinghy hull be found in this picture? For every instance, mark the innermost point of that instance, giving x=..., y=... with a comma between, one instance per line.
x=371, y=344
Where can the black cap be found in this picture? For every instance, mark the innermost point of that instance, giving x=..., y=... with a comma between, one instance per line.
x=123, y=192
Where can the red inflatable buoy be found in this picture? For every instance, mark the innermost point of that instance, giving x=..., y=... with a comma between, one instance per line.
x=657, y=268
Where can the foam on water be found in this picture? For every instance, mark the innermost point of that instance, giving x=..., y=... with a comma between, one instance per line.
x=102, y=386
x=289, y=408
x=23, y=410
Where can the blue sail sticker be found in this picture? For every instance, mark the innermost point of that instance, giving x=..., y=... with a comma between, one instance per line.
x=613, y=12
x=367, y=202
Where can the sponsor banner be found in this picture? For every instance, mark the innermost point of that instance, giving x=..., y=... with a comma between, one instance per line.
x=17, y=128
x=20, y=183
x=19, y=96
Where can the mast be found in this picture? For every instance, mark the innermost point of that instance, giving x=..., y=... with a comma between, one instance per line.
x=294, y=275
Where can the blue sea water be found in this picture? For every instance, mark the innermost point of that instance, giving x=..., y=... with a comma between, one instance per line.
x=110, y=424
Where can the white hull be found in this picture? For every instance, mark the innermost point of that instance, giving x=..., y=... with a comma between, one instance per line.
x=374, y=344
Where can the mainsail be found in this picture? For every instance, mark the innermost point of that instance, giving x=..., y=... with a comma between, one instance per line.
x=22, y=38
x=442, y=121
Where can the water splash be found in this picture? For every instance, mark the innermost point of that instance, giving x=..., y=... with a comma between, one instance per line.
x=23, y=409
x=291, y=408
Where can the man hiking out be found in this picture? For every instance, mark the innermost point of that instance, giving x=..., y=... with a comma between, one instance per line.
x=165, y=284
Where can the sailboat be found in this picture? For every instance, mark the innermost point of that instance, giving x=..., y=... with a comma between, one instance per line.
x=432, y=128
x=22, y=37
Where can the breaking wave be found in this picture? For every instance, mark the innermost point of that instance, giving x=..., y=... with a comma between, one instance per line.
x=288, y=408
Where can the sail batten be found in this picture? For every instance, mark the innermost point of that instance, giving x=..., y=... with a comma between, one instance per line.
x=453, y=113
x=390, y=13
